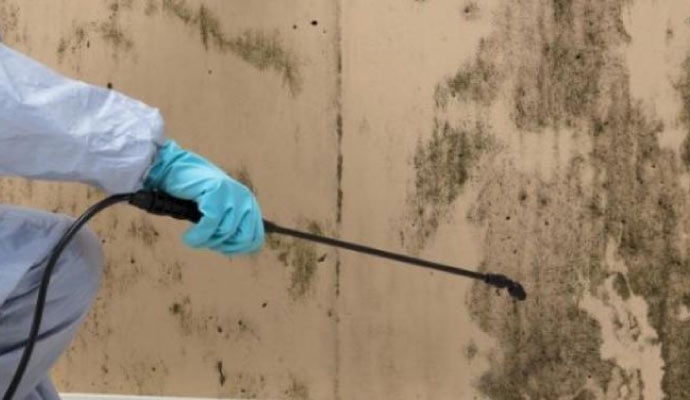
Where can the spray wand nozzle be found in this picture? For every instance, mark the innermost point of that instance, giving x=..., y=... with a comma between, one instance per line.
x=162, y=204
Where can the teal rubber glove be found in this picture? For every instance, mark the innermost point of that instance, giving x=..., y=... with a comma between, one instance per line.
x=231, y=222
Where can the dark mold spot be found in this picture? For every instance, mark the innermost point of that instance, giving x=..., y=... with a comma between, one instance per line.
x=339, y=169
x=259, y=49
x=683, y=88
x=297, y=390
x=171, y=274
x=221, y=375
x=314, y=23
x=110, y=85
x=144, y=230
x=9, y=21
x=470, y=11
x=471, y=351
x=621, y=286
x=301, y=257
x=241, y=174
x=442, y=168
x=176, y=308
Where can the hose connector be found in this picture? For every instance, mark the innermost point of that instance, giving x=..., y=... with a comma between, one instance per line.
x=159, y=203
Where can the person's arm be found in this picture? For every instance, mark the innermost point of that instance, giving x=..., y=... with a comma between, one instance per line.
x=52, y=127
x=56, y=128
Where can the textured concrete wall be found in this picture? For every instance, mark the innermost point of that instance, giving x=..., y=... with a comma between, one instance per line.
x=545, y=139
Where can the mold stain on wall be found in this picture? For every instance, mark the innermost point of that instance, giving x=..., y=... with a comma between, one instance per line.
x=260, y=49
x=109, y=31
x=9, y=19
x=445, y=162
x=263, y=50
x=302, y=259
x=559, y=69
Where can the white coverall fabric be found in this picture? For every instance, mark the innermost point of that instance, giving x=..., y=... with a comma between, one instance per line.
x=74, y=284
x=55, y=128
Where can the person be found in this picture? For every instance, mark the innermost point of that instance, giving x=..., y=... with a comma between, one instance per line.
x=56, y=128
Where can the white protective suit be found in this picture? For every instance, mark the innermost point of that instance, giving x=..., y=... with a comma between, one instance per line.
x=55, y=128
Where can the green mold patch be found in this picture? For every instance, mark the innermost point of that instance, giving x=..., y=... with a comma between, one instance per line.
x=302, y=259
x=142, y=229
x=620, y=285
x=478, y=81
x=444, y=163
x=9, y=20
x=259, y=49
x=683, y=88
x=548, y=346
x=297, y=390
x=561, y=66
x=558, y=76
x=108, y=31
x=443, y=166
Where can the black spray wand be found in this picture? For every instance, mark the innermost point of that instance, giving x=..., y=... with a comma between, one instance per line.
x=162, y=204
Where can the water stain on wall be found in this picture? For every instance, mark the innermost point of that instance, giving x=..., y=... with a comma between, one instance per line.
x=621, y=189
x=262, y=50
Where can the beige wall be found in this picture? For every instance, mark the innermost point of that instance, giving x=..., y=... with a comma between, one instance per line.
x=541, y=139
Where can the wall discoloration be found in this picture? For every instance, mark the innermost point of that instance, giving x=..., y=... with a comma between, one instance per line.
x=563, y=68
x=9, y=19
x=297, y=390
x=262, y=50
x=241, y=174
x=683, y=88
x=109, y=31
x=556, y=241
x=442, y=166
x=301, y=257
x=445, y=162
x=144, y=230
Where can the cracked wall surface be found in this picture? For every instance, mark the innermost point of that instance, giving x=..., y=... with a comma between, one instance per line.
x=544, y=139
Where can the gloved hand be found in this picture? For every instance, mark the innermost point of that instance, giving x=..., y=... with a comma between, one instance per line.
x=231, y=222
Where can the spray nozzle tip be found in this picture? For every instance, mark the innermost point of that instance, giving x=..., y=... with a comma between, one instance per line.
x=501, y=281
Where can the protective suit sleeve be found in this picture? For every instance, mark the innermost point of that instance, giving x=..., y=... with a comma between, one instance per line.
x=56, y=128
